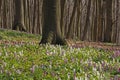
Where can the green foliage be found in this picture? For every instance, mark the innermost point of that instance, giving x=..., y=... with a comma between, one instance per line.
x=29, y=61
x=15, y=35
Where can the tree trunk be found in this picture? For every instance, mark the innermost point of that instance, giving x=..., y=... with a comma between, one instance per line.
x=51, y=23
x=19, y=16
x=62, y=16
x=108, y=30
x=87, y=21
x=70, y=26
x=0, y=3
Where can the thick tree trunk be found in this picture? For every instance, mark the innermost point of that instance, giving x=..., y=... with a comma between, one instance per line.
x=19, y=16
x=51, y=23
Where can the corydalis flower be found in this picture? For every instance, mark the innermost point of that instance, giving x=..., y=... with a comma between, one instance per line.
x=33, y=68
x=65, y=60
x=116, y=54
x=0, y=54
x=119, y=69
x=18, y=71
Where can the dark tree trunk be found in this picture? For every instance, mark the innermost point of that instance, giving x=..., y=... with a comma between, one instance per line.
x=62, y=23
x=51, y=23
x=0, y=4
x=19, y=16
x=107, y=37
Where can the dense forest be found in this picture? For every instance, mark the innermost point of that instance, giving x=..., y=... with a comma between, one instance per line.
x=89, y=20
x=59, y=39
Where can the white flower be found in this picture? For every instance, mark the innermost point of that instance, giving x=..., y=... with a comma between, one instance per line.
x=18, y=71
x=0, y=53
x=21, y=53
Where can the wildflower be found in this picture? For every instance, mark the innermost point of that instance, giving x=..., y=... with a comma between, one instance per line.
x=5, y=64
x=65, y=60
x=18, y=71
x=33, y=68
x=116, y=54
x=116, y=77
x=0, y=53
x=119, y=69
x=21, y=53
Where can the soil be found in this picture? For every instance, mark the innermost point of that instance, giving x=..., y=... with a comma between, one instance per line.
x=100, y=45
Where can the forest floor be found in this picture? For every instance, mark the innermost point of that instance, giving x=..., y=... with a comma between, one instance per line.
x=6, y=34
x=22, y=58
x=99, y=45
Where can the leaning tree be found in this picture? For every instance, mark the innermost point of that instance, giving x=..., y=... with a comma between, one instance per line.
x=51, y=31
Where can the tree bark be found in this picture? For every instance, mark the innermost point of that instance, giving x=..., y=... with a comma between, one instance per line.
x=51, y=23
x=87, y=21
x=70, y=26
x=108, y=30
x=62, y=16
x=19, y=16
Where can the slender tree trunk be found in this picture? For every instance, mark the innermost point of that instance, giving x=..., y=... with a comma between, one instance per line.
x=99, y=21
x=3, y=10
x=70, y=26
x=118, y=23
x=0, y=4
x=62, y=16
x=108, y=30
x=34, y=17
x=87, y=21
x=78, y=19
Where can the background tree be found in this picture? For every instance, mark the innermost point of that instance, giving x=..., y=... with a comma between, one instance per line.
x=108, y=29
x=87, y=21
x=70, y=26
